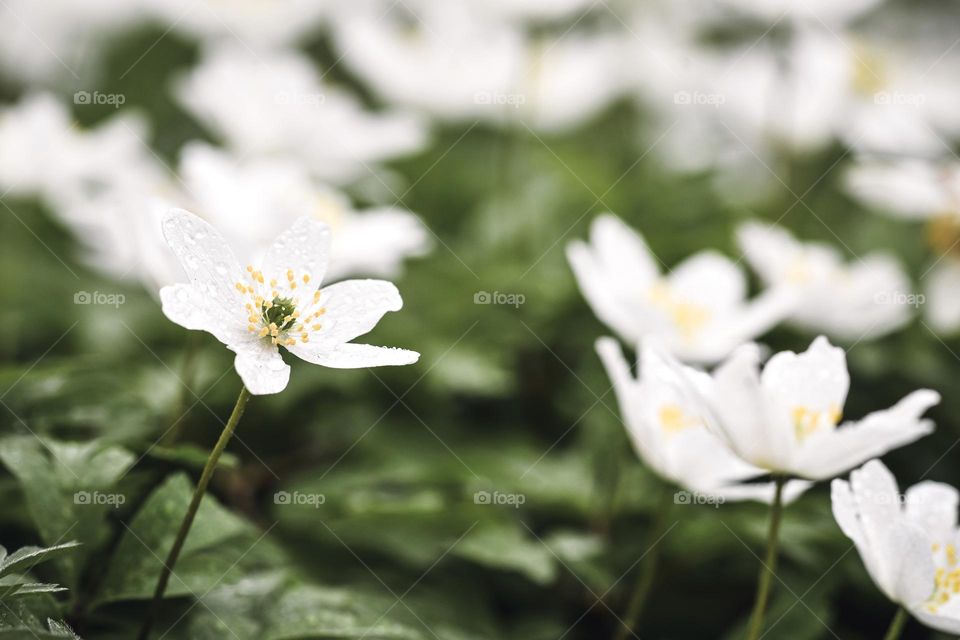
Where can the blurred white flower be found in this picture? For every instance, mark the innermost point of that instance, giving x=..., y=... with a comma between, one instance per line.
x=668, y=427
x=251, y=22
x=255, y=311
x=457, y=61
x=915, y=189
x=821, y=11
x=274, y=103
x=535, y=10
x=907, y=543
x=787, y=418
x=687, y=88
x=44, y=153
x=739, y=109
x=251, y=200
x=909, y=188
x=57, y=41
x=864, y=299
x=442, y=60
x=699, y=311
x=98, y=182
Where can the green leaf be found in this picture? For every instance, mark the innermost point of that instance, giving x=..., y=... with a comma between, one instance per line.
x=26, y=557
x=13, y=586
x=217, y=541
x=69, y=488
x=508, y=546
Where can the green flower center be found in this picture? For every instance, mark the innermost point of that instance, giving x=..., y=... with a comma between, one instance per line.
x=279, y=311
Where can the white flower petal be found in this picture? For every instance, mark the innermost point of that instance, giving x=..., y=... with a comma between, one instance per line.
x=942, y=287
x=597, y=288
x=933, y=507
x=815, y=382
x=184, y=305
x=938, y=621
x=863, y=508
x=644, y=436
x=895, y=550
x=623, y=252
x=208, y=261
x=756, y=317
x=911, y=564
x=302, y=250
x=261, y=368
x=769, y=249
x=743, y=418
x=846, y=512
x=830, y=452
x=667, y=418
x=353, y=308
x=374, y=242
x=909, y=189
x=354, y=356
x=710, y=280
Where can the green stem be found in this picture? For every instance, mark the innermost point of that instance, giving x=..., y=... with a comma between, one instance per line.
x=649, y=568
x=198, y=494
x=769, y=565
x=896, y=625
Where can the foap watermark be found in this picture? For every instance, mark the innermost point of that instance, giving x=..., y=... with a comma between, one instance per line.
x=298, y=499
x=699, y=98
x=514, y=100
x=695, y=497
x=96, y=498
x=99, y=298
x=499, y=297
x=115, y=100
x=900, y=98
x=300, y=98
x=500, y=499
x=898, y=298
x=884, y=498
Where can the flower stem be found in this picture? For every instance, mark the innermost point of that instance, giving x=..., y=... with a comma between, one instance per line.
x=896, y=626
x=769, y=565
x=647, y=572
x=198, y=494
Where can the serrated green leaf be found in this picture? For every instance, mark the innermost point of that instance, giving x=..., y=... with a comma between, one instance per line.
x=26, y=557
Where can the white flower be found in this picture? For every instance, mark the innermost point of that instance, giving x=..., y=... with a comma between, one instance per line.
x=668, y=427
x=255, y=24
x=251, y=200
x=864, y=299
x=59, y=41
x=443, y=60
x=910, y=188
x=787, y=418
x=908, y=543
x=274, y=103
x=98, y=182
x=824, y=11
x=458, y=61
x=535, y=10
x=699, y=310
x=256, y=311
x=43, y=153
x=915, y=189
